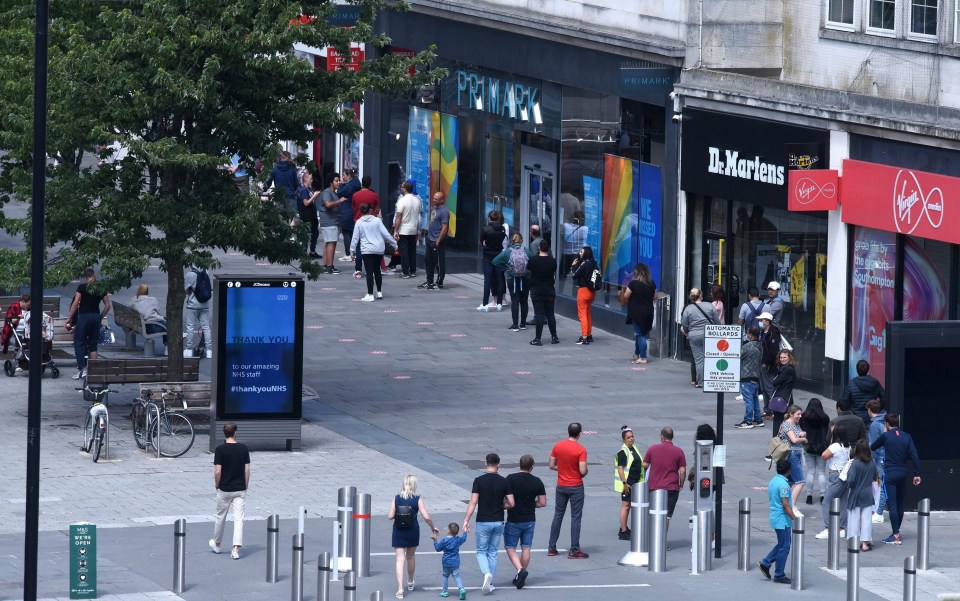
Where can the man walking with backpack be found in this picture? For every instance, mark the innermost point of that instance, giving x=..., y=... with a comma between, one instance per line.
x=198, y=291
x=750, y=311
x=513, y=261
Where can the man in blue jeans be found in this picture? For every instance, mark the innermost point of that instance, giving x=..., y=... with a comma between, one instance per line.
x=750, y=356
x=529, y=494
x=781, y=518
x=490, y=496
x=569, y=459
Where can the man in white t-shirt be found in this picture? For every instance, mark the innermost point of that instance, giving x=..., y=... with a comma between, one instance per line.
x=406, y=227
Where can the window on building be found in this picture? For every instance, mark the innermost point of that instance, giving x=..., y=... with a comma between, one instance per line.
x=883, y=13
x=923, y=17
x=840, y=12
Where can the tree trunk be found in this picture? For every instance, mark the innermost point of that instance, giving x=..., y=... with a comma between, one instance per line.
x=175, y=297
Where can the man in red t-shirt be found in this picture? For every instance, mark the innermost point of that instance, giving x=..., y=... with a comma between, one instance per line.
x=666, y=468
x=569, y=459
x=365, y=195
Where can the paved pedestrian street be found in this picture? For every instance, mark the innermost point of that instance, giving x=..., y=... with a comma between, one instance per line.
x=417, y=383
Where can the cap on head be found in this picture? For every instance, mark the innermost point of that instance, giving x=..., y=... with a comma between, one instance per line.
x=773, y=286
x=765, y=315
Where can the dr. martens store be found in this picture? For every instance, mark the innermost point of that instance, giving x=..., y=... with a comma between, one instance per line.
x=740, y=234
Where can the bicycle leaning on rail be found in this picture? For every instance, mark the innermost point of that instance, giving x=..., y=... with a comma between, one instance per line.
x=97, y=419
x=169, y=433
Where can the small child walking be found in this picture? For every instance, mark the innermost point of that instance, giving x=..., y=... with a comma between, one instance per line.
x=450, y=545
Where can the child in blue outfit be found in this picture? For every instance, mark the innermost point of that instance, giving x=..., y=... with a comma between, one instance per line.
x=450, y=545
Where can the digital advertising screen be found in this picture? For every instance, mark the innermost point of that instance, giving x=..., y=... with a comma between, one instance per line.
x=259, y=347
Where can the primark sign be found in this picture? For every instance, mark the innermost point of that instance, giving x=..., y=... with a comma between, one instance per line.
x=499, y=95
x=745, y=159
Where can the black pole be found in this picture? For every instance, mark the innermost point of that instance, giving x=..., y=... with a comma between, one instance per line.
x=718, y=498
x=37, y=260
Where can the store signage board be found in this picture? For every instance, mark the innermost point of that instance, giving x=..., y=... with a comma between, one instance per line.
x=813, y=190
x=83, y=561
x=721, y=358
x=904, y=201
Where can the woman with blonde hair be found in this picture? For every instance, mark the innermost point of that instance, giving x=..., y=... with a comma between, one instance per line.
x=406, y=530
x=149, y=308
x=693, y=321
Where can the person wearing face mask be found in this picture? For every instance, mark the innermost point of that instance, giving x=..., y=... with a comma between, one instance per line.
x=770, y=345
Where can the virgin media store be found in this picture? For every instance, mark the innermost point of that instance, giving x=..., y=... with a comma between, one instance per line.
x=903, y=201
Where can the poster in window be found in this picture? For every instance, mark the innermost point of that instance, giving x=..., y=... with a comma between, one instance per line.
x=820, y=296
x=591, y=212
x=774, y=265
x=798, y=282
x=924, y=293
x=872, y=281
x=619, y=236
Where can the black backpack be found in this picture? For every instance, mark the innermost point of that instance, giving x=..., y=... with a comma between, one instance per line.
x=596, y=278
x=405, y=517
x=202, y=290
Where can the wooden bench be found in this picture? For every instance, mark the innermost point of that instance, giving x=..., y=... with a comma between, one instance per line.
x=51, y=304
x=135, y=371
x=195, y=395
x=131, y=322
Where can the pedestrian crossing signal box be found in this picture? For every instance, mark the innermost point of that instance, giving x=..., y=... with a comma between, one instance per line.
x=703, y=475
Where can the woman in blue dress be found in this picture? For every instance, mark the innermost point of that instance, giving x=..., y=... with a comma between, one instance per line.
x=406, y=530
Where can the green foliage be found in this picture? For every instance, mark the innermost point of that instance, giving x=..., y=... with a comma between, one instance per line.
x=180, y=85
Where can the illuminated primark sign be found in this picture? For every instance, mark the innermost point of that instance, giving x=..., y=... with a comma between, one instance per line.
x=498, y=96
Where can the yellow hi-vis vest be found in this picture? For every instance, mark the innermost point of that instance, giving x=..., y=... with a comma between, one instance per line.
x=617, y=482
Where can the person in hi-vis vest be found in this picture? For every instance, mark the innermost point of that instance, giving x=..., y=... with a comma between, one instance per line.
x=629, y=471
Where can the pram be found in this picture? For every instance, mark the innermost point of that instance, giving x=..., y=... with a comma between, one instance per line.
x=21, y=346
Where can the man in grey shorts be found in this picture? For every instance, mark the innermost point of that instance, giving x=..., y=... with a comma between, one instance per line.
x=328, y=216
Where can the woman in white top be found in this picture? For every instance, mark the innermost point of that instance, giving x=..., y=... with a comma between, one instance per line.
x=370, y=239
x=837, y=455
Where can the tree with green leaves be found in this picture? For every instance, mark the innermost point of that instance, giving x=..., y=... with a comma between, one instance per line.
x=179, y=86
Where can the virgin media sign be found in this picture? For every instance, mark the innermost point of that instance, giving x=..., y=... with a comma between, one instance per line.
x=813, y=189
x=901, y=200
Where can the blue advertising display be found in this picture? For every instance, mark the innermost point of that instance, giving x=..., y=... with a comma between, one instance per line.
x=260, y=331
x=419, y=138
x=649, y=234
x=592, y=192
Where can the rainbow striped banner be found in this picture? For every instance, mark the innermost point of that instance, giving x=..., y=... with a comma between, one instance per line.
x=620, y=207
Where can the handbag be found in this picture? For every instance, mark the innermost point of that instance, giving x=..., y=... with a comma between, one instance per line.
x=778, y=449
x=845, y=470
x=779, y=404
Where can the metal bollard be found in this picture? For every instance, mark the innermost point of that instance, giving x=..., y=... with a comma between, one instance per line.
x=323, y=577
x=796, y=553
x=833, y=539
x=658, y=532
x=704, y=536
x=923, y=534
x=350, y=586
x=296, y=572
x=910, y=578
x=334, y=562
x=361, y=534
x=853, y=568
x=376, y=596
x=345, y=497
x=273, y=546
x=743, y=536
x=179, y=555
x=637, y=555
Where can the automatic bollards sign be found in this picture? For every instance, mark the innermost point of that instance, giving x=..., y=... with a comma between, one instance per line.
x=721, y=359
x=83, y=561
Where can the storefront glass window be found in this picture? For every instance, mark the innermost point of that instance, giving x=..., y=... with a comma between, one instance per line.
x=926, y=270
x=873, y=269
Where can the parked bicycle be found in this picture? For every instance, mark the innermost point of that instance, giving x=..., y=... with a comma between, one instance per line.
x=97, y=420
x=169, y=433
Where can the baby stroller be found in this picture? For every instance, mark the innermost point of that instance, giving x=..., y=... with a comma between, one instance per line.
x=21, y=346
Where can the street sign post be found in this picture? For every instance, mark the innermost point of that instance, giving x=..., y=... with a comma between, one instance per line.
x=721, y=373
x=83, y=561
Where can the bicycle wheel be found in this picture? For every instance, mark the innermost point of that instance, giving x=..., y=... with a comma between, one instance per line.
x=87, y=434
x=139, y=416
x=97, y=442
x=173, y=432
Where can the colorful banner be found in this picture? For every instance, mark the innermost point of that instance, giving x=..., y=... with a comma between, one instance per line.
x=873, y=277
x=620, y=199
x=924, y=292
x=650, y=213
x=447, y=166
x=592, y=191
x=798, y=282
x=901, y=200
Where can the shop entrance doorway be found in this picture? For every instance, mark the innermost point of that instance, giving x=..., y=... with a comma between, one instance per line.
x=717, y=271
x=538, y=191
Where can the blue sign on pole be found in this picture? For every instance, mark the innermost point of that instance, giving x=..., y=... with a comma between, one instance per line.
x=592, y=192
x=650, y=220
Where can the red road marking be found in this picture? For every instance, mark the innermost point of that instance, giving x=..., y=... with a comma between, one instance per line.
x=461, y=296
x=401, y=377
x=391, y=311
x=328, y=289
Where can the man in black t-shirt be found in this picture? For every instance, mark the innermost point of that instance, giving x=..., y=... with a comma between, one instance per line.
x=231, y=476
x=491, y=495
x=529, y=494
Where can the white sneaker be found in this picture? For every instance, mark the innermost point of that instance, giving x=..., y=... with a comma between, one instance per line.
x=209, y=354
x=499, y=307
x=739, y=397
x=877, y=518
x=483, y=308
x=823, y=534
x=345, y=259
x=367, y=298
x=214, y=546
x=843, y=534
x=235, y=554
x=78, y=375
x=487, y=587
x=378, y=294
